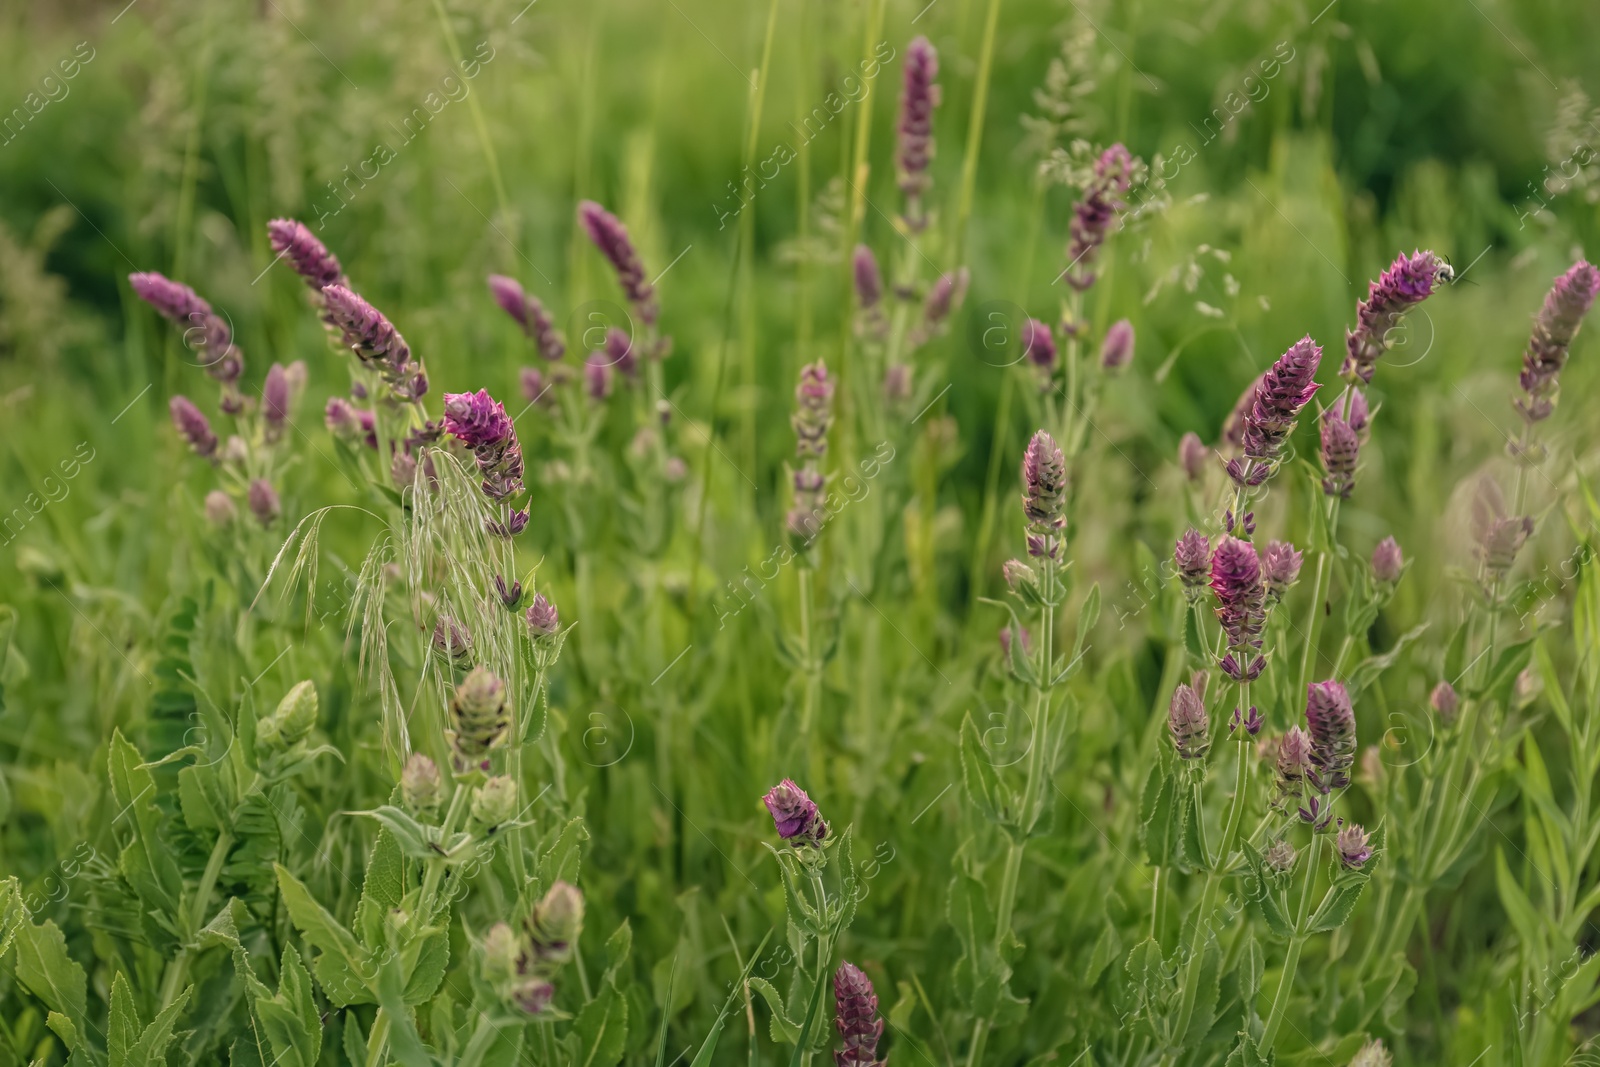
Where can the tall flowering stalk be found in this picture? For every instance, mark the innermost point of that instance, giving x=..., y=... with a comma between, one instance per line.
x=205, y=333
x=918, y=97
x=812, y=419
x=318, y=268
x=1408, y=282
x=480, y=422
x=856, y=1017
x=530, y=314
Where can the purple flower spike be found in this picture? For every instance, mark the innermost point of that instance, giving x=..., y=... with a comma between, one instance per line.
x=813, y=410
x=1274, y=405
x=1341, y=450
x=794, y=814
x=530, y=314
x=897, y=384
x=1251, y=722
x=193, y=426
x=610, y=236
x=1044, y=500
x=204, y=331
x=1192, y=455
x=1443, y=701
x=1387, y=561
x=1293, y=767
x=1116, y=351
x=309, y=257
x=275, y=401
x=1553, y=329
x=366, y=331
x=869, y=282
x=1038, y=346
x=621, y=352
x=1192, y=556
x=918, y=98
x=1093, y=215
x=1241, y=605
x=1332, y=725
x=944, y=296
x=1280, y=566
x=1353, y=848
x=1408, y=282
x=856, y=1015
x=1360, y=413
x=1187, y=723
x=543, y=618
x=597, y=376
x=477, y=419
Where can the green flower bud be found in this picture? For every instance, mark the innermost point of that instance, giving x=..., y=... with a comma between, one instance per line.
x=297, y=713
x=494, y=802
x=479, y=717
x=420, y=785
x=555, y=924
x=500, y=952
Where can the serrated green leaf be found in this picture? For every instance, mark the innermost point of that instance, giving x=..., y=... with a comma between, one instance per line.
x=43, y=965
x=599, y=1034
x=1160, y=817
x=982, y=781
x=344, y=968
x=561, y=862
x=148, y=862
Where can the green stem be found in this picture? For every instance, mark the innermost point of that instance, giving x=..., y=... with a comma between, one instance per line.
x=430, y=881
x=378, y=1040
x=1291, y=962
x=980, y=99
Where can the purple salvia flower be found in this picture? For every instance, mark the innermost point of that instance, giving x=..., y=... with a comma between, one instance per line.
x=1280, y=566
x=1360, y=414
x=1499, y=537
x=918, y=97
x=805, y=519
x=794, y=814
x=1241, y=606
x=543, y=618
x=530, y=314
x=536, y=387
x=477, y=419
x=1252, y=722
x=1293, y=769
x=856, y=1016
x=597, y=376
x=610, y=236
x=897, y=383
x=1280, y=857
x=868, y=281
x=309, y=257
x=813, y=414
x=372, y=336
x=1341, y=450
x=342, y=419
x=1553, y=329
x=1387, y=561
x=204, y=331
x=1187, y=723
x=263, y=501
x=1192, y=455
x=1093, y=214
x=620, y=351
x=1039, y=346
x=193, y=426
x=1408, y=282
x=1233, y=427
x=1192, y=556
x=1443, y=701
x=1044, y=498
x=1117, y=349
x=1353, y=848
x=509, y=594
x=1332, y=725
x=1274, y=405
x=275, y=401
x=944, y=296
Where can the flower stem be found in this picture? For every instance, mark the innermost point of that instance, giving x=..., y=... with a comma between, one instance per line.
x=1291, y=962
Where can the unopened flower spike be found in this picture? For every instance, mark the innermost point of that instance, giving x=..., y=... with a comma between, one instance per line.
x=795, y=815
x=918, y=97
x=193, y=426
x=1188, y=724
x=530, y=314
x=856, y=1017
x=1241, y=606
x=1408, y=282
x=1192, y=557
x=1116, y=351
x=1093, y=215
x=1280, y=567
x=480, y=719
x=1044, y=498
x=1558, y=320
x=1275, y=403
x=1387, y=561
x=204, y=331
x=1354, y=850
x=1192, y=456
x=610, y=236
x=1332, y=725
x=1341, y=450
x=310, y=258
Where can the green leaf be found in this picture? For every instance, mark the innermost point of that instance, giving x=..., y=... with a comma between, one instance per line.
x=982, y=781
x=203, y=798
x=382, y=889
x=124, y=1025
x=148, y=862
x=290, y=1019
x=415, y=840
x=1262, y=895
x=1144, y=970
x=785, y=1031
x=404, y=1042
x=1524, y=917
x=1367, y=671
x=562, y=860
x=1088, y=615
x=1208, y=990
x=49, y=973
x=1192, y=639
x=1107, y=947
x=344, y=967
x=1252, y=962
x=709, y=1046
x=153, y=1042
x=599, y=1034
x=1159, y=817
x=1246, y=1054
x=802, y=1046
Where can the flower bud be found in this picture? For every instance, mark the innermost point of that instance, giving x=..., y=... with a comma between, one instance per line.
x=1039, y=347
x=220, y=509
x=292, y=721
x=1293, y=769
x=794, y=814
x=868, y=281
x=1332, y=725
x=1187, y=723
x=1280, y=566
x=193, y=426
x=1020, y=578
x=494, y=802
x=1353, y=848
x=275, y=401
x=1372, y=1054
x=1192, y=455
x=263, y=500
x=1387, y=561
x=1280, y=857
x=1444, y=702
x=1192, y=556
x=421, y=787
x=479, y=718
x=1116, y=351
x=543, y=618
x=451, y=639
x=856, y=1016
x=501, y=950
x=554, y=926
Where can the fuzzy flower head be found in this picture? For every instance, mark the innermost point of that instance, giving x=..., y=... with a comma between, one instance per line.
x=1274, y=405
x=1280, y=567
x=856, y=1017
x=1331, y=723
x=553, y=928
x=543, y=618
x=1094, y=214
x=1408, y=282
x=1372, y=1054
x=1444, y=702
x=1192, y=456
x=367, y=332
x=263, y=501
x=421, y=787
x=1241, y=606
x=944, y=296
x=1498, y=536
x=275, y=399
x=1558, y=320
x=480, y=718
x=868, y=280
x=1388, y=562
x=308, y=256
x=1341, y=450
x=1039, y=347
x=813, y=410
x=220, y=509
x=918, y=97
x=794, y=814
x=1192, y=556
x=1044, y=481
x=204, y=331
x=1353, y=848
x=1188, y=724
x=1280, y=857
x=1116, y=351
x=1292, y=767
x=610, y=236
x=528, y=313
x=477, y=420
